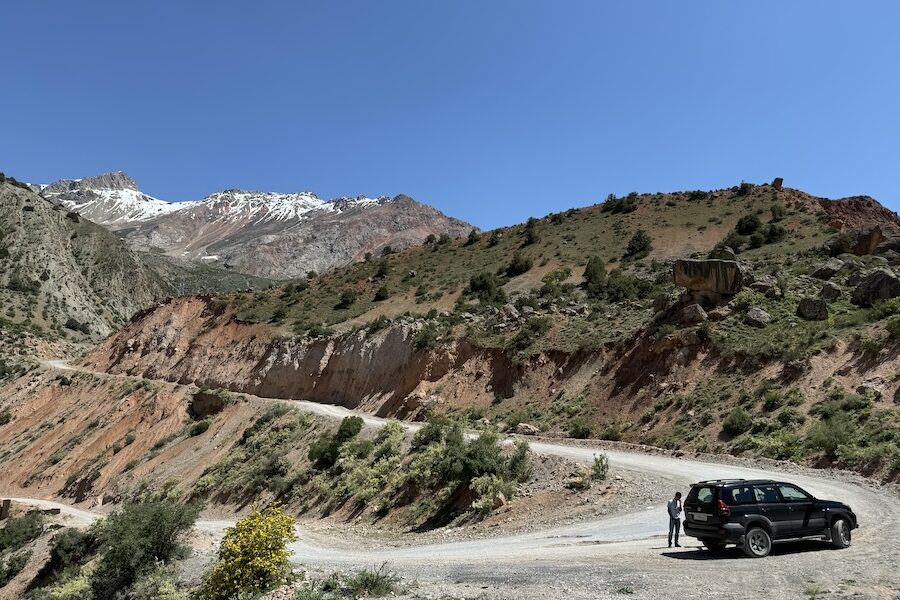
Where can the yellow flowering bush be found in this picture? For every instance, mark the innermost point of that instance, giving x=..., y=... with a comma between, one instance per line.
x=253, y=556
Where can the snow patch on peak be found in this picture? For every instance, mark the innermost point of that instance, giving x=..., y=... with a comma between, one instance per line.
x=262, y=206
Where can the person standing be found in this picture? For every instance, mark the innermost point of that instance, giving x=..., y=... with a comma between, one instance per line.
x=674, y=508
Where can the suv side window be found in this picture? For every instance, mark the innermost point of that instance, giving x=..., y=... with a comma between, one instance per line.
x=742, y=494
x=766, y=494
x=792, y=493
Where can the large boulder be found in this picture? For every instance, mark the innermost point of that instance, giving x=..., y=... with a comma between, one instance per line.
x=709, y=275
x=527, y=429
x=692, y=314
x=812, y=309
x=867, y=240
x=757, y=317
x=766, y=286
x=830, y=291
x=723, y=253
x=876, y=285
x=829, y=269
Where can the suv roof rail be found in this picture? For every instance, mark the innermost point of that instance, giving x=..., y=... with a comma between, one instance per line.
x=722, y=480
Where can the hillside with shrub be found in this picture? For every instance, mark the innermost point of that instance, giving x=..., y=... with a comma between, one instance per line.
x=66, y=282
x=573, y=325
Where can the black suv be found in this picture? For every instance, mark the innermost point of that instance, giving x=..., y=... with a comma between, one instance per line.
x=753, y=513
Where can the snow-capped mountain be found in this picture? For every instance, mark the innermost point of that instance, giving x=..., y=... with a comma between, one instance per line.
x=111, y=199
x=261, y=233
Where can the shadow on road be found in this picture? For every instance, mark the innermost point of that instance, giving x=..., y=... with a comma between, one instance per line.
x=779, y=549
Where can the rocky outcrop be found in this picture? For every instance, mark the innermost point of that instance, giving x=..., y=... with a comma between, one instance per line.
x=867, y=240
x=710, y=275
x=757, y=317
x=830, y=291
x=878, y=284
x=767, y=286
x=116, y=180
x=692, y=314
x=527, y=429
x=829, y=269
x=812, y=309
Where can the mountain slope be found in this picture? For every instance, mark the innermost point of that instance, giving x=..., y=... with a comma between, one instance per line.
x=259, y=233
x=60, y=273
x=520, y=325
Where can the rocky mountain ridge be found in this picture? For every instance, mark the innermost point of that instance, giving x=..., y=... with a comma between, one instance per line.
x=266, y=234
x=785, y=348
x=64, y=274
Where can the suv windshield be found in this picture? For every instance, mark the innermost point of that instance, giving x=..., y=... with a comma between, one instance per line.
x=703, y=495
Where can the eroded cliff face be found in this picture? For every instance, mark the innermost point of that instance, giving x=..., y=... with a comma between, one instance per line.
x=187, y=340
x=195, y=340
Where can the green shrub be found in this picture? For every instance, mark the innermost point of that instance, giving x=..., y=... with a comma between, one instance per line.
x=639, y=245
x=744, y=189
x=738, y=422
x=13, y=565
x=70, y=548
x=382, y=293
x=137, y=538
x=621, y=286
x=619, y=205
x=157, y=585
x=21, y=530
x=734, y=240
x=829, y=434
x=346, y=299
x=199, y=427
x=518, y=265
x=372, y=583
x=775, y=233
x=600, y=467
x=893, y=327
x=581, y=428
x=383, y=270
x=427, y=337
x=473, y=237
x=779, y=212
x=748, y=224
x=594, y=282
x=326, y=450
x=610, y=431
x=486, y=287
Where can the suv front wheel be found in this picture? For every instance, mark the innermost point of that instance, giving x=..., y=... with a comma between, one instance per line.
x=757, y=543
x=840, y=533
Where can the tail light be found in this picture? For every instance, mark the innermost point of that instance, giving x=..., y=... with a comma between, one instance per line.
x=723, y=508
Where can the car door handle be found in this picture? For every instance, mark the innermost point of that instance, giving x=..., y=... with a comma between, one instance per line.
x=762, y=510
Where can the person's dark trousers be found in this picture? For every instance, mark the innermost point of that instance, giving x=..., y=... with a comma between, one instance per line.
x=674, y=526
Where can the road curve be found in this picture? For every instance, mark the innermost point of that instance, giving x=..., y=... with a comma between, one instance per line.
x=591, y=539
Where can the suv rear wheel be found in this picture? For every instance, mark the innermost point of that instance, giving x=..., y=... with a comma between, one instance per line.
x=757, y=543
x=840, y=533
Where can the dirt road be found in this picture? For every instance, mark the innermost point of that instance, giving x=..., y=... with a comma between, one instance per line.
x=626, y=554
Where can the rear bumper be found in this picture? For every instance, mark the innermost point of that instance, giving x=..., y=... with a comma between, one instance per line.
x=729, y=533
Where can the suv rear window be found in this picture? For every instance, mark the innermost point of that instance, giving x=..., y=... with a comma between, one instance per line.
x=704, y=494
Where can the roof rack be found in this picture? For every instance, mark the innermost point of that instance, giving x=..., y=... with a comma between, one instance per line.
x=723, y=480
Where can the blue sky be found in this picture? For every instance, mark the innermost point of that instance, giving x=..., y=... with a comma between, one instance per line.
x=492, y=111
